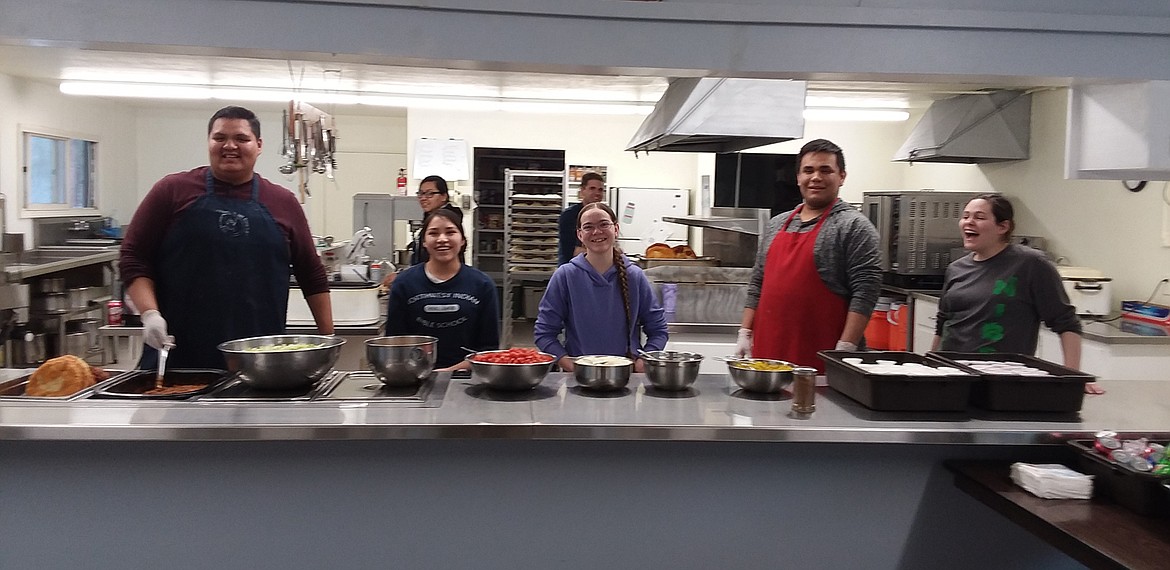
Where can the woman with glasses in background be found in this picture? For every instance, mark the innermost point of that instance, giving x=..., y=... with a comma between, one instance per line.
x=600, y=299
x=432, y=195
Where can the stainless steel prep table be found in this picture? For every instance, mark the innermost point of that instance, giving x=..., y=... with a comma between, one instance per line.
x=713, y=411
x=510, y=477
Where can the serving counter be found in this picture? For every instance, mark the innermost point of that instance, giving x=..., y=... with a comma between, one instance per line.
x=553, y=478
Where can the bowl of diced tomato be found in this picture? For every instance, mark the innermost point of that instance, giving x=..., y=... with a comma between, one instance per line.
x=511, y=369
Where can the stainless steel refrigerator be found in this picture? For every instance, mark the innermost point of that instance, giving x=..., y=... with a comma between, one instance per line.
x=640, y=212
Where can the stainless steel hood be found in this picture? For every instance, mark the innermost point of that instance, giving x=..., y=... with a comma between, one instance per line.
x=970, y=129
x=712, y=114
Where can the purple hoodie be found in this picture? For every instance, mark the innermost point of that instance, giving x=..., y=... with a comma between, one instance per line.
x=588, y=307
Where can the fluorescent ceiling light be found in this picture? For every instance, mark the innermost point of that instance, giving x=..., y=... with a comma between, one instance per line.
x=863, y=102
x=373, y=98
x=855, y=110
x=148, y=90
x=861, y=115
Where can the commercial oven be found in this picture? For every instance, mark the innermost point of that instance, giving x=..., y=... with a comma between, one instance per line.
x=917, y=228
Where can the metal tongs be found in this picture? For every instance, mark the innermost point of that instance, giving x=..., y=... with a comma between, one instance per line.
x=162, y=364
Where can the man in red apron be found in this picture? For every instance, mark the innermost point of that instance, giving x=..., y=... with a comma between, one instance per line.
x=817, y=276
x=208, y=253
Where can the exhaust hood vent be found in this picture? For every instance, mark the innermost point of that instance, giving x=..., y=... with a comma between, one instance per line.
x=712, y=114
x=972, y=129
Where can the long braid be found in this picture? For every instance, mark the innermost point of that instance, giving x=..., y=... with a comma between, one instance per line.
x=624, y=283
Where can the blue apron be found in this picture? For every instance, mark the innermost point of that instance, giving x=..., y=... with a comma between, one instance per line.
x=223, y=274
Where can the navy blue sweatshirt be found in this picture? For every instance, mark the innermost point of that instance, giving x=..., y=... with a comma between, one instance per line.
x=462, y=311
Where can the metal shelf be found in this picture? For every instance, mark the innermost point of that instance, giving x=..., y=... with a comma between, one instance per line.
x=538, y=238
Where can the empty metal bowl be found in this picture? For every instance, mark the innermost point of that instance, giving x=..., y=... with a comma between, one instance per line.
x=671, y=370
x=765, y=381
x=284, y=369
x=603, y=376
x=509, y=376
x=401, y=361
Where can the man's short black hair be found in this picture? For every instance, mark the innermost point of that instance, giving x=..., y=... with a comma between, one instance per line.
x=822, y=145
x=233, y=112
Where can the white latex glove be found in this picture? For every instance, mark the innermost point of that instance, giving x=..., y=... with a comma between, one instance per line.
x=743, y=343
x=154, y=330
x=846, y=345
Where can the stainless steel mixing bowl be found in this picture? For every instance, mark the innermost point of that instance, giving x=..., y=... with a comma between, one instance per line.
x=602, y=377
x=509, y=376
x=401, y=361
x=766, y=381
x=282, y=370
x=671, y=370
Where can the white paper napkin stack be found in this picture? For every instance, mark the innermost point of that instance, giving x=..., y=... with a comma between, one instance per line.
x=1051, y=481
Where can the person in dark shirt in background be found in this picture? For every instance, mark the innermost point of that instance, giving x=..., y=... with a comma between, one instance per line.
x=592, y=190
x=207, y=256
x=444, y=298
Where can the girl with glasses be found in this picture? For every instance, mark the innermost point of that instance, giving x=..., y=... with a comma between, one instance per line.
x=601, y=300
x=433, y=195
x=444, y=298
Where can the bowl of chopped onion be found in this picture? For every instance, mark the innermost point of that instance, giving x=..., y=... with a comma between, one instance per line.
x=602, y=372
x=282, y=362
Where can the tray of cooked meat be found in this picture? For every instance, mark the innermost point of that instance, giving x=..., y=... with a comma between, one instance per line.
x=177, y=384
x=62, y=378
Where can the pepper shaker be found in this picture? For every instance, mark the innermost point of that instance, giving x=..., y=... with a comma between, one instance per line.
x=804, y=391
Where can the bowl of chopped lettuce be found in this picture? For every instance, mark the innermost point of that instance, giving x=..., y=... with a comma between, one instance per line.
x=282, y=362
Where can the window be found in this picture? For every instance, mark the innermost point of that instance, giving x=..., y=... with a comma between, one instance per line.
x=59, y=172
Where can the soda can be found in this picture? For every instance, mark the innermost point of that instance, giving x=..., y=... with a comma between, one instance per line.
x=1106, y=443
x=1139, y=463
x=1155, y=452
x=1121, y=456
x=114, y=313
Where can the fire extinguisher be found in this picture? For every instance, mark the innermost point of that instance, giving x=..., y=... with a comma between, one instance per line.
x=401, y=182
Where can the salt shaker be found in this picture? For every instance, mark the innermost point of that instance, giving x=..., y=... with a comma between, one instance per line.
x=804, y=391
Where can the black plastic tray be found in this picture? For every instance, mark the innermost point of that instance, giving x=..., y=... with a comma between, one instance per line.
x=1142, y=493
x=134, y=384
x=897, y=393
x=1063, y=391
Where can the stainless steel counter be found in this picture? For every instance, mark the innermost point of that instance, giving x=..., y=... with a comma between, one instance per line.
x=33, y=263
x=558, y=409
x=1117, y=331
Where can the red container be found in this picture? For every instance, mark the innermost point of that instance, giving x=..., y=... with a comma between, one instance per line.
x=114, y=313
x=877, y=332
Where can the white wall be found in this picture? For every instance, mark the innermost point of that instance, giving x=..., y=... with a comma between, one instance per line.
x=28, y=103
x=370, y=150
x=1093, y=223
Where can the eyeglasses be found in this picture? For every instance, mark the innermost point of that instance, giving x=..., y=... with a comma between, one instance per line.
x=427, y=194
x=603, y=226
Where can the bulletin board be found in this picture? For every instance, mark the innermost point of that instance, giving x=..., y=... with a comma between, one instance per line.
x=446, y=157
